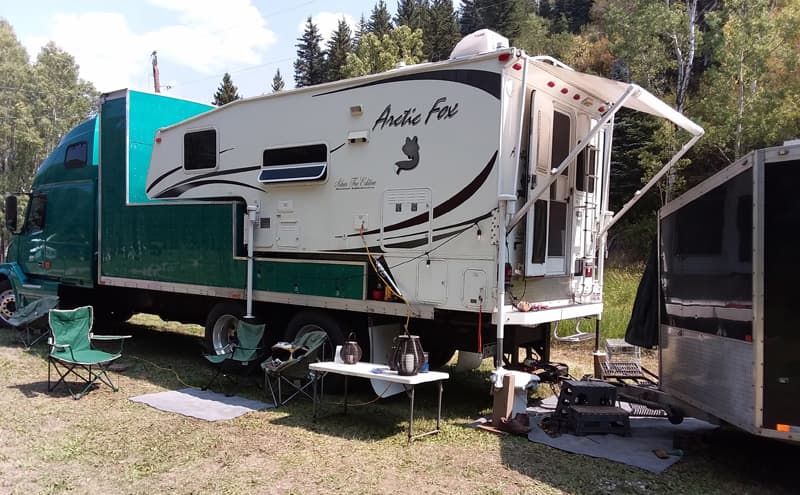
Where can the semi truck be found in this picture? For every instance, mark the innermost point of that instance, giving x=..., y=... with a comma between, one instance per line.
x=432, y=197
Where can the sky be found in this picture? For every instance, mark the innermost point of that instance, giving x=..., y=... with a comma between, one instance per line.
x=196, y=41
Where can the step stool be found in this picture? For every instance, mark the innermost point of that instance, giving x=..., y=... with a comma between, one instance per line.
x=581, y=393
x=584, y=420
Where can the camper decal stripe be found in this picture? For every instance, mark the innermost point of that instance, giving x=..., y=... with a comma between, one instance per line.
x=439, y=229
x=424, y=241
x=174, y=192
x=481, y=79
x=162, y=178
x=205, y=176
x=446, y=207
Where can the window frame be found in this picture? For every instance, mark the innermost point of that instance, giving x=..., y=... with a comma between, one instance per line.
x=289, y=165
x=200, y=170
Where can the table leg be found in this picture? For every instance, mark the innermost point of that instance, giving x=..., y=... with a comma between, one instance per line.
x=345, y=394
x=314, y=402
x=439, y=412
x=411, y=417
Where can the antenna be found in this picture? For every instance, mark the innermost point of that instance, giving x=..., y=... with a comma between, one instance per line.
x=156, y=82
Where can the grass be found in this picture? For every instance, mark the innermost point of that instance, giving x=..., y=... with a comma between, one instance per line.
x=105, y=443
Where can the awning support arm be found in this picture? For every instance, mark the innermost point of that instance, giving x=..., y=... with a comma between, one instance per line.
x=541, y=188
x=638, y=194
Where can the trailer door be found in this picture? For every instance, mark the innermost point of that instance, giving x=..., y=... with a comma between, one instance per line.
x=551, y=139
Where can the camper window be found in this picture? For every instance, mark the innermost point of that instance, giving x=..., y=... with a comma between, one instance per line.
x=76, y=155
x=561, y=139
x=295, y=163
x=200, y=150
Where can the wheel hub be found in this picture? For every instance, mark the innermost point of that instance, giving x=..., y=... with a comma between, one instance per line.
x=8, y=304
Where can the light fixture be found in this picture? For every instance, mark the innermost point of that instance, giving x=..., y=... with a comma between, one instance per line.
x=478, y=233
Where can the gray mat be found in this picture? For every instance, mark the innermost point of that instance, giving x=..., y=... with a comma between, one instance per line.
x=201, y=404
x=647, y=434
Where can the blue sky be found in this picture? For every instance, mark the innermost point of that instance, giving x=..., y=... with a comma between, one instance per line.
x=196, y=40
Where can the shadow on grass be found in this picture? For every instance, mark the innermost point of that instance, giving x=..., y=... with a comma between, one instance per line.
x=368, y=418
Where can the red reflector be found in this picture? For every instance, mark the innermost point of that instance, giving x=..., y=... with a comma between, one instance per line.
x=158, y=139
x=551, y=84
x=504, y=57
x=47, y=265
x=576, y=97
x=602, y=109
x=748, y=338
x=783, y=428
x=517, y=66
x=564, y=91
x=587, y=272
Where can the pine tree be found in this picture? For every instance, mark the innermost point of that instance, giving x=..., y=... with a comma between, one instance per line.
x=277, y=82
x=440, y=32
x=361, y=28
x=309, y=68
x=411, y=13
x=470, y=18
x=380, y=20
x=226, y=92
x=338, y=46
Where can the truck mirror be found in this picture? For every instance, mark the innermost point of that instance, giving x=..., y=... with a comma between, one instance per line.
x=11, y=213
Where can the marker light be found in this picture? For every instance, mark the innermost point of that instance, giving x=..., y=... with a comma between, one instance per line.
x=503, y=57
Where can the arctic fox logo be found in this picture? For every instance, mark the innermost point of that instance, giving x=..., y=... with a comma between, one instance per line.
x=411, y=150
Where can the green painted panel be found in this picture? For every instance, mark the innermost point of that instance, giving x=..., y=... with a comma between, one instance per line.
x=187, y=243
x=147, y=113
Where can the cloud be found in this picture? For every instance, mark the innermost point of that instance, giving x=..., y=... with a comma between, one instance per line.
x=326, y=23
x=206, y=38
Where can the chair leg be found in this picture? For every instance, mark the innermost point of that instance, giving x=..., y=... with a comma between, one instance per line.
x=217, y=372
x=268, y=383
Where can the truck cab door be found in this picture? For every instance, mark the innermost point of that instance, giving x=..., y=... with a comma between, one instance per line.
x=549, y=226
x=33, y=238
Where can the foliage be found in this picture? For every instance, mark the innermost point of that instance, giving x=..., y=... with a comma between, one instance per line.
x=277, y=82
x=226, y=92
x=39, y=103
x=440, y=30
x=375, y=54
x=380, y=20
x=506, y=17
x=338, y=47
x=411, y=13
x=309, y=68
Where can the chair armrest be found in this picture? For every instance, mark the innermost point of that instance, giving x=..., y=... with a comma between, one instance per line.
x=59, y=346
x=110, y=337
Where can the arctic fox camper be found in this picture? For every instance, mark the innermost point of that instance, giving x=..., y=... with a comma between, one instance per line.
x=422, y=195
x=729, y=344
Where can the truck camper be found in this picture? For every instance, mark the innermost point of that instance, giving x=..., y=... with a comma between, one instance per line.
x=466, y=200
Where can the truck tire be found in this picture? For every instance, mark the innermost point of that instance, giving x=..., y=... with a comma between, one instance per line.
x=8, y=303
x=221, y=325
x=309, y=321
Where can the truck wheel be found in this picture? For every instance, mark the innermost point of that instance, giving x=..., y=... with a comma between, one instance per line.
x=8, y=303
x=309, y=321
x=221, y=325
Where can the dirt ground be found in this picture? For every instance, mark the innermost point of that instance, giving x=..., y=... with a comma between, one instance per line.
x=105, y=443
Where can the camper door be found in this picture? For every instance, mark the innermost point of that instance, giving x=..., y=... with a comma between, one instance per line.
x=552, y=136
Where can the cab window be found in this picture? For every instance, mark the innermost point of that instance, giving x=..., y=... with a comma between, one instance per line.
x=37, y=209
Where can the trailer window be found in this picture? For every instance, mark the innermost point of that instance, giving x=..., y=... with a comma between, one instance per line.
x=200, y=150
x=76, y=155
x=294, y=163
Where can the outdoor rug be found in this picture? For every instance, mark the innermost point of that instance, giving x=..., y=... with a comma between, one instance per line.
x=647, y=435
x=201, y=404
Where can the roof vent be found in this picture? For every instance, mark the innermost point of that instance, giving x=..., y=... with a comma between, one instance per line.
x=483, y=41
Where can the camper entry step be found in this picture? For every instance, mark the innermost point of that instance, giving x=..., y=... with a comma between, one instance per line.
x=584, y=420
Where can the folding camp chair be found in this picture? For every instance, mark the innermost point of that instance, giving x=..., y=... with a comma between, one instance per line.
x=289, y=365
x=71, y=350
x=32, y=318
x=240, y=357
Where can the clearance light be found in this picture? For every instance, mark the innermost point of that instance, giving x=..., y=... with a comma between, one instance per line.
x=564, y=91
x=748, y=338
x=576, y=97
x=158, y=139
x=783, y=428
x=602, y=109
x=503, y=57
x=517, y=66
x=551, y=84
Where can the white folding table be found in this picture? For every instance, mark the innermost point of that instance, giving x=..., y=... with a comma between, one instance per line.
x=383, y=373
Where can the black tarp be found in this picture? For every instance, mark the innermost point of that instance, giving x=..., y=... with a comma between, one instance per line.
x=643, y=326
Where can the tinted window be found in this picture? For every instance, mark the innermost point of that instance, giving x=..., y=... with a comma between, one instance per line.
x=200, y=150
x=37, y=210
x=561, y=137
x=76, y=155
x=295, y=163
x=584, y=175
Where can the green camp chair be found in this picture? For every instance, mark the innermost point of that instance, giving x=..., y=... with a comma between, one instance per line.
x=241, y=357
x=71, y=350
x=32, y=318
x=288, y=365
